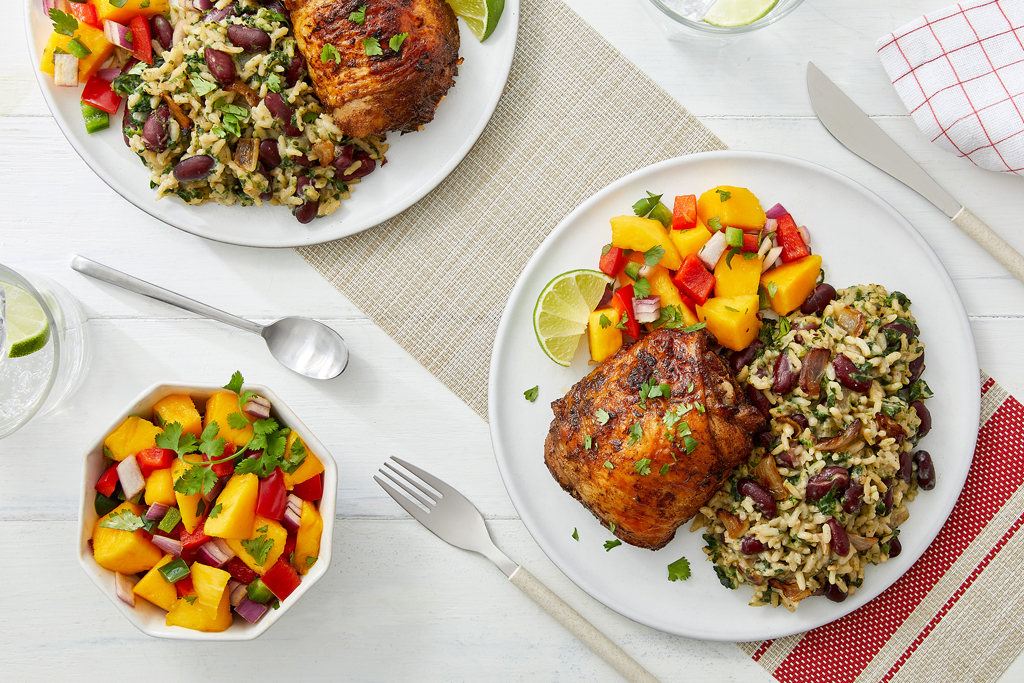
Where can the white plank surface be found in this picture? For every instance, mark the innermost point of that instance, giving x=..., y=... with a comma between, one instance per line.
x=398, y=603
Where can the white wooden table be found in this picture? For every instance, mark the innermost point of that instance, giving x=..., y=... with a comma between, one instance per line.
x=399, y=604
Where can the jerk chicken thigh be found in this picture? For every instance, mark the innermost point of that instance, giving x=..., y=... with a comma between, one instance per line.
x=652, y=485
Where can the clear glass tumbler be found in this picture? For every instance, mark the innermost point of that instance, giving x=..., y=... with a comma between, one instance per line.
x=40, y=380
x=676, y=18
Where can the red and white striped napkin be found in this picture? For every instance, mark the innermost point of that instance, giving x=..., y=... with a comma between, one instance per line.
x=958, y=613
x=960, y=71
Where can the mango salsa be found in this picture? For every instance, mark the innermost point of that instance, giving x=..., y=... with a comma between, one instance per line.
x=264, y=530
x=604, y=341
x=641, y=234
x=733, y=320
x=132, y=436
x=93, y=40
x=735, y=207
x=789, y=284
x=122, y=14
x=128, y=552
x=179, y=408
x=218, y=407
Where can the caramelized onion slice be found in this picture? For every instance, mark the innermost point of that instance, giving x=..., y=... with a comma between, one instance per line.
x=844, y=440
x=850, y=320
x=734, y=528
x=184, y=122
x=251, y=97
x=891, y=427
x=768, y=474
x=861, y=542
x=247, y=154
x=813, y=369
x=790, y=590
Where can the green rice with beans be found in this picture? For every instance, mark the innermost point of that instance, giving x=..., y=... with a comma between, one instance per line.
x=222, y=118
x=790, y=553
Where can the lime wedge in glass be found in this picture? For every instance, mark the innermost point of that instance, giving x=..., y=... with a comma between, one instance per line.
x=560, y=316
x=481, y=16
x=729, y=13
x=24, y=322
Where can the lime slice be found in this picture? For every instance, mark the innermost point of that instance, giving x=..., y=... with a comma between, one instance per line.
x=560, y=316
x=25, y=322
x=481, y=16
x=730, y=13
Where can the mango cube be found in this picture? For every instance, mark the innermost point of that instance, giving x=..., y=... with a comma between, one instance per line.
x=179, y=408
x=93, y=40
x=269, y=530
x=160, y=487
x=737, y=277
x=154, y=586
x=741, y=210
x=188, y=505
x=733, y=320
x=238, y=508
x=210, y=584
x=307, y=538
x=123, y=13
x=309, y=468
x=641, y=234
x=195, y=617
x=128, y=552
x=131, y=436
x=791, y=283
x=604, y=341
x=218, y=407
x=690, y=241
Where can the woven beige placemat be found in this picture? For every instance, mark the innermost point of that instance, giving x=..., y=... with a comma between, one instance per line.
x=575, y=116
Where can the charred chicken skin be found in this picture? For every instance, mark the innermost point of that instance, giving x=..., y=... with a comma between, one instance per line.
x=368, y=94
x=653, y=485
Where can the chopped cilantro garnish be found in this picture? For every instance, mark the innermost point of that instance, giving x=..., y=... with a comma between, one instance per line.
x=63, y=23
x=635, y=432
x=329, y=54
x=653, y=255
x=259, y=547
x=396, y=41
x=588, y=441
x=604, y=321
x=772, y=289
x=647, y=204
x=575, y=534
x=608, y=465
x=690, y=443
x=371, y=46
x=724, y=195
x=125, y=520
x=715, y=223
x=680, y=569
x=216, y=510
x=642, y=466
x=641, y=288
x=608, y=545
x=601, y=416
x=359, y=16
x=202, y=86
x=237, y=421
x=665, y=468
x=531, y=394
x=172, y=439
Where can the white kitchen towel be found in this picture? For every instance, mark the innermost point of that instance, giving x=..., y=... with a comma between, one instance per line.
x=960, y=71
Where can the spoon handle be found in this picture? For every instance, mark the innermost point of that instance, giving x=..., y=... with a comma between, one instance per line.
x=134, y=284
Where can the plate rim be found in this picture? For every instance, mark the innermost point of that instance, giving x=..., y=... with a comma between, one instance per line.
x=510, y=14
x=502, y=335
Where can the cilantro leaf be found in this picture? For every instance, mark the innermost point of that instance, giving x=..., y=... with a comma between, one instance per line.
x=642, y=466
x=647, y=204
x=273, y=83
x=201, y=85
x=396, y=41
x=693, y=328
x=63, y=23
x=329, y=54
x=730, y=254
x=679, y=570
x=715, y=223
x=196, y=479
x=608, y=465
x=359, y=16
x=772, y=288
x=588, y=441
x=622, y=321
x=311, y=560
x=211, y=444
x=172, y=439
x=608, y=545
x=724, y=195
x=190, y=599
x=665, y=468
x=601, y=416
x=237, y=421
x=299, y=455
x=531, y=394
x=653, y=255
x=641, y=288
x=575, y=533
x=125, y=520
x=690, y=443
x=635, y=432
x=216, y=510
x=371, y=46
x=259, y=547
x=605, y=249
x=604, y=321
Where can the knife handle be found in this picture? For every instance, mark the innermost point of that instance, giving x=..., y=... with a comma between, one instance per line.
x=993, y=243
x=580, y=627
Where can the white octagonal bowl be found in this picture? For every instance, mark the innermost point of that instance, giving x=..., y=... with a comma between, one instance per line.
x=149, y=618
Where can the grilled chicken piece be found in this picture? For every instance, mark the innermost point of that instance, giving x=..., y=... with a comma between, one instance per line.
x=644, y=505
x=368, y=95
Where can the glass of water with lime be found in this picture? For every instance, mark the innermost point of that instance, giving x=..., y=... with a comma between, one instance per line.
x=721, y=18
x=44, y=348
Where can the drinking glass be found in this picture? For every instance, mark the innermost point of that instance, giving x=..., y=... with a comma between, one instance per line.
x=676, y=19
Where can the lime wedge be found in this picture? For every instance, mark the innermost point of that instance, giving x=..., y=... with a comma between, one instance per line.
x=730, y=13
x=25, y=322
x=481, y=16
x=560, y=316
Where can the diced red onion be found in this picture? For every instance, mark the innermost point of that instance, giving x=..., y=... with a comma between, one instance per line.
x=236, y=591
x=132, y=481
x=771, y=225
x=215, y=553
x=771, y=258
x=712, y=250
x=215, y=491
x=293, y=513
x=766, y=244
x=123, y=587
x=647, y=310
x=168, y=545
x=645, y=271
x=157, y=511
x=606, y=297
x=805, y=234
x=108, y=75
x=61, y=5
x=117, y=34
x=249, y=610
x=65, y=70
x=768, y=314
x=775, y=211
x=258, y=408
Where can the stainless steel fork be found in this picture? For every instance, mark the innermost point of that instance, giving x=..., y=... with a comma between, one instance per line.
x=455, y=520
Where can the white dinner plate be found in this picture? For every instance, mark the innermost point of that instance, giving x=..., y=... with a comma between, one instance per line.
x=417, y=162
x=862, y=240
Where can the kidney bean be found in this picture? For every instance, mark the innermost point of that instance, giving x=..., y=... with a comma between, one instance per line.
x=819, y=298
x=280, y=110
x=154, y=132
x=895, y=547
x=295, y=71
x=344, y=159
x=764, y=439
x=365, y=168
x=887, y=497
x=193, y=168
x=751, y=546
x=925, y=470
x=269, y=154
x=221, y=65
x=853, y=497
x=249, y=38
x=784, y=379
x=786, y=459
x=800, y=420
x=832, y=477
x=746, y=356
x=926, y=418
x=899, y=328
x=840, y=541
x=759, y=401
x=267, y=196
x=848, y=374
x=834, y=593
x=916, y=368
x=202, y=5
x=763, y=500
x=221, y=14
x=127, y=123
x=306, y=212
x=906, y=466
x=162, y=31
x=278, y=6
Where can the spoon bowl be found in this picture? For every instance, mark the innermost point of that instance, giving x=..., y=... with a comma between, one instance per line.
x=307, y=346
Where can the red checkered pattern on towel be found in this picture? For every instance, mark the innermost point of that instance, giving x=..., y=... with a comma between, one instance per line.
x=960, y=71
x=942, y=608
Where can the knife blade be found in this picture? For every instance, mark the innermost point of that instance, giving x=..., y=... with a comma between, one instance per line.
x=858, y=133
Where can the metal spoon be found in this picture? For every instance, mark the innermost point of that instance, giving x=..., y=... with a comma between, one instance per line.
x=306, y=346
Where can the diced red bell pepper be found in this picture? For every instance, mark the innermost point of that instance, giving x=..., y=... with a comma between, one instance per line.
x=142, y=45
x=312, y=489
x=108, y=482
x=281, y=579
x=154, y=459
x=694, y=280
x=240, y=571
x=789, y=238
x=613, y=262
x=184, y=587
x=622, y=301
x=86, y=13
x=750, y=242
x=226, y=468
x=195, y=538
x=174, y=533
x=273, y=496
x=289, y=546
x=684, y=212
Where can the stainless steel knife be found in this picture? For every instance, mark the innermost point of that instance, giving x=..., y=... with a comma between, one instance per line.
x=862, y=136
